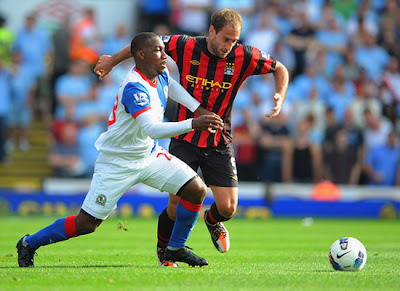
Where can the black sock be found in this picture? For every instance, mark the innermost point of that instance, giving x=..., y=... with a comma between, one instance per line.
x=164, y=229
x=214, y=216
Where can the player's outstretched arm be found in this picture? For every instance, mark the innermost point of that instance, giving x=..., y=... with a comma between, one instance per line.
x=106, y=63
x=281, y=77
x=157, y=130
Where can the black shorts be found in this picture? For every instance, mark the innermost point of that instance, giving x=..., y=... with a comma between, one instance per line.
x=217, y=165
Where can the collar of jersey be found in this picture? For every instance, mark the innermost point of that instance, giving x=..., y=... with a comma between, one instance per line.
x=203, y=42
x=147, y=79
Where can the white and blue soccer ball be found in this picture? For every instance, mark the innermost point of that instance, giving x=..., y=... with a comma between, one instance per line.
x=347, y=254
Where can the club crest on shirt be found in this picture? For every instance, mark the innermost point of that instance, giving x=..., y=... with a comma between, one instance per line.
x=229, y=69
x=101, y=199
x=165, y=38
x=141, y=98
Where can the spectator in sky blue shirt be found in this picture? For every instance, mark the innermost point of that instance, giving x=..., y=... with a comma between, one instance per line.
x=34, y=46
x=382, y=163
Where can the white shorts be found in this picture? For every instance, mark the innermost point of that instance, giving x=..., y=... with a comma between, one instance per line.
x=111, y=180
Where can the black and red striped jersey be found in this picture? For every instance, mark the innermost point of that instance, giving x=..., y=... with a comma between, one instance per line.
x=213, y=81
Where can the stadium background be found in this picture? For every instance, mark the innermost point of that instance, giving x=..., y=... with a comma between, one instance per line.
x=343, y=59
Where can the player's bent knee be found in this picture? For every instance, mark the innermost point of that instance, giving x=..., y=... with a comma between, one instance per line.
x=199, y=190
x=195, y=191
x=202, y=189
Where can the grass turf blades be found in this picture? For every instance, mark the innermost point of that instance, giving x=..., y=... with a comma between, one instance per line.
x=274, y=254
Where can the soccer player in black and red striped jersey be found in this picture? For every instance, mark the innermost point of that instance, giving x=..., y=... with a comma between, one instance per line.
x=211, y=69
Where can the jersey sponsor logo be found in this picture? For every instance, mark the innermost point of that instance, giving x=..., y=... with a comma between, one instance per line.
x=204, y=83
x=141, y=98
x=101, y=199
x=265, y=56
x=195, y=63
x=165, y=38
x=229, y=69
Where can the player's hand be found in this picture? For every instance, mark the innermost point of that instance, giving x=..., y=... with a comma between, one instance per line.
x=211, y=123
x=278, y=106
x=104, y=66
x=200, y=111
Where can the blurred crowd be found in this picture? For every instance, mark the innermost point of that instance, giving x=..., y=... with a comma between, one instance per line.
x=340, y=119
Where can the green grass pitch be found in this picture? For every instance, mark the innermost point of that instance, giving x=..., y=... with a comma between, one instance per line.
x=273, y=254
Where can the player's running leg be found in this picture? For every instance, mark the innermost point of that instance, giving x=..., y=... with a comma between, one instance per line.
x=186, y=217
x=225, y=197
x=191, y=195
x=224, y=207
x=170, y=174
x=62, y=229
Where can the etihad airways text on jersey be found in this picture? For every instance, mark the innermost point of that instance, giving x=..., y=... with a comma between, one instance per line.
x=207, y=83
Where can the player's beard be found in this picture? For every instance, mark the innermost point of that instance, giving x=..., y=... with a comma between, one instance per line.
x=216, y=51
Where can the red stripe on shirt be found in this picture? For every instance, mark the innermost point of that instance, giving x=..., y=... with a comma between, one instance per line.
x=253, y=64
x=172, y=47
x=267, y=67
x=188, y=137
x=198, y=93
x=187, y=57
x=239, y=57
x=218, y=78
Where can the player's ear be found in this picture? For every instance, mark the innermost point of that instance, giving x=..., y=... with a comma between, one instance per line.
x=211, y=30
x=140, y=54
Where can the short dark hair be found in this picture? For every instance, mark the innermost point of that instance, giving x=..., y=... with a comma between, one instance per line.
x=139, y=41
x=223, y=17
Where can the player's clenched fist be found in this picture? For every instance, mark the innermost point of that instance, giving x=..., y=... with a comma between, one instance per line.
x=104, y=66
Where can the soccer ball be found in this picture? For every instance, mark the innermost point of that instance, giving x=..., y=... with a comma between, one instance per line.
x=347, y=254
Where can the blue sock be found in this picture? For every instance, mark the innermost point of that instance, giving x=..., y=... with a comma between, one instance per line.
x=186, y=216
x=61, y=229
